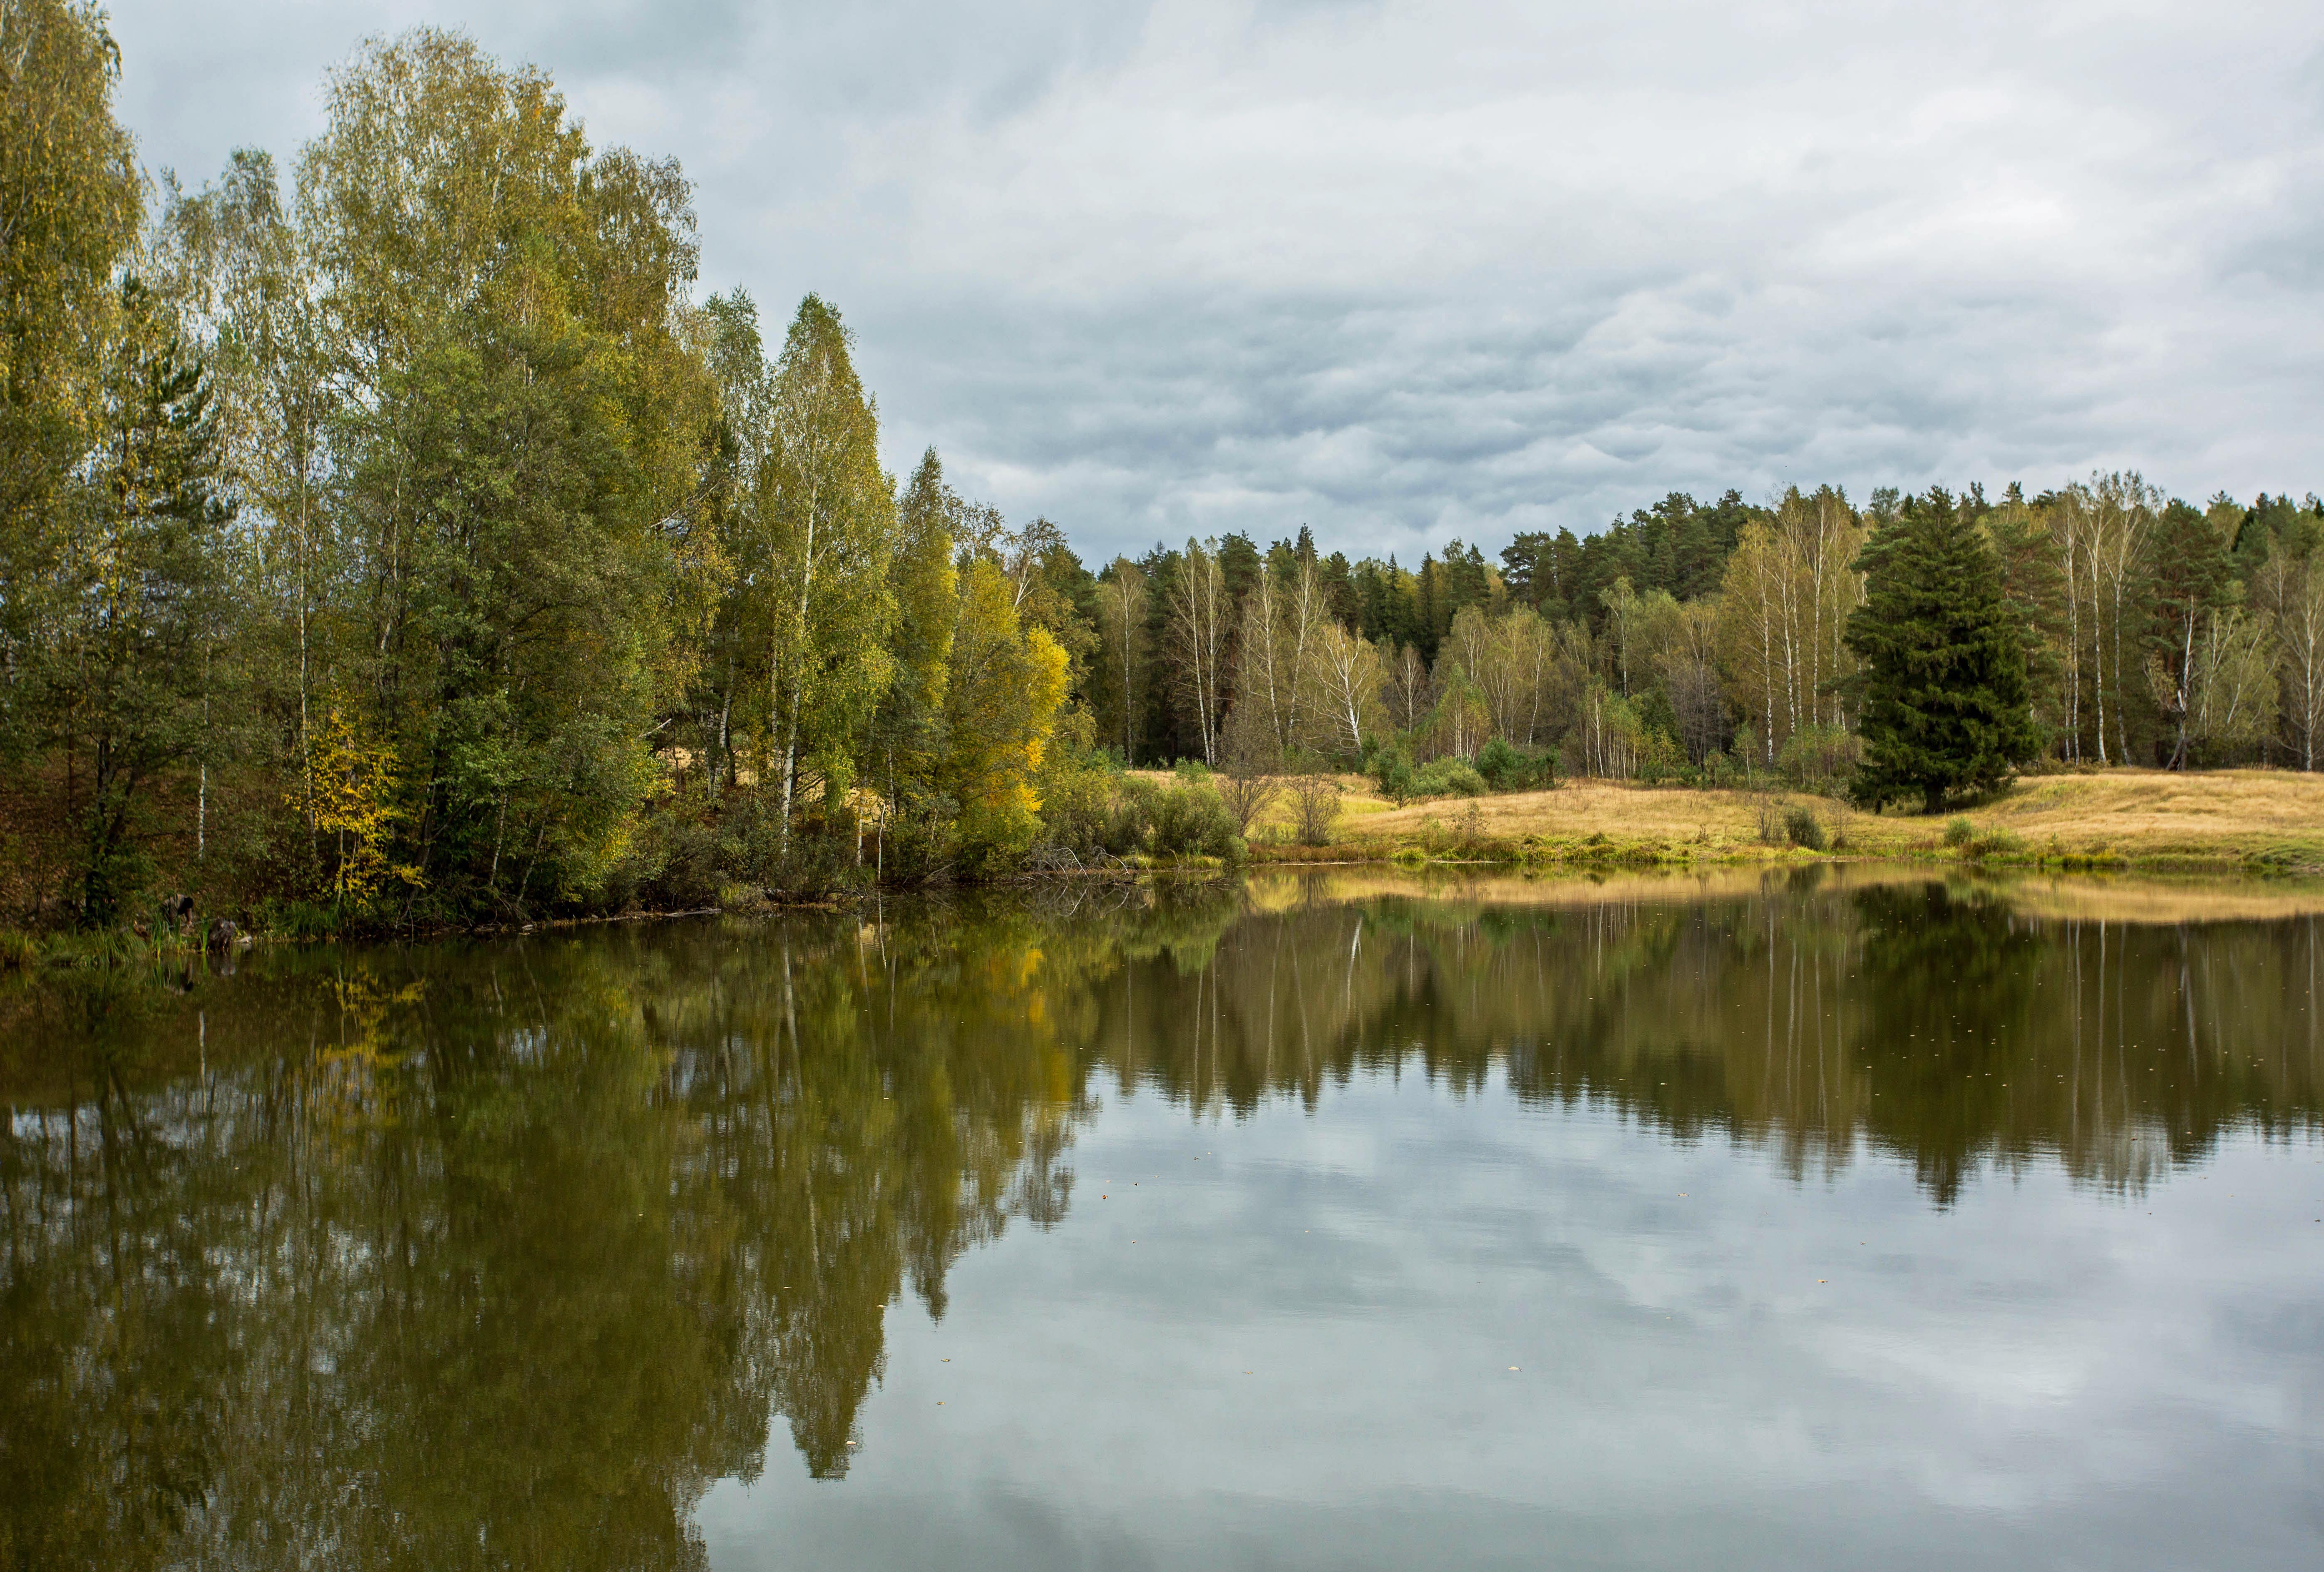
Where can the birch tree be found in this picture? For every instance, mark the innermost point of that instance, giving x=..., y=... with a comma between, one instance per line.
x=1347, y=674
x=1122, y=614
x=71, y=202
x=1199, y=613
x=2113, y=515
x=2230, y=683
x=2293, y=589
x=828, y=523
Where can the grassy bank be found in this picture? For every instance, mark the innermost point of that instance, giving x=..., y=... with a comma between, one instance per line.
x=2246, y=820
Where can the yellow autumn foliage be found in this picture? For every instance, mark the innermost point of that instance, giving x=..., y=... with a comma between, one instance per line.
x=1007, y=684
x=350, y=786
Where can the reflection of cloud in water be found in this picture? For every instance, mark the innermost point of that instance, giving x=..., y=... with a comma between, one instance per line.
x=2036, y=1375
x=570, y=1221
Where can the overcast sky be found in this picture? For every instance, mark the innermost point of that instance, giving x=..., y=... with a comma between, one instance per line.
x=1412, y=271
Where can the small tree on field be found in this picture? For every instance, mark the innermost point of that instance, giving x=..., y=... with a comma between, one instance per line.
x=1943, y=684
x=1247, y=779
x=1249, y=787
x=1314, y=808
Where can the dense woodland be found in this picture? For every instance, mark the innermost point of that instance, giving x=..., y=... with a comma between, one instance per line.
x=399, y=535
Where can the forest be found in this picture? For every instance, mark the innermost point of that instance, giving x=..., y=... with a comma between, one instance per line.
x=398, y=536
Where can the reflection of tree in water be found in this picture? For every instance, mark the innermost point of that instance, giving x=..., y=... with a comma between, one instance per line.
x=498, y=1254
x=1930, y=1021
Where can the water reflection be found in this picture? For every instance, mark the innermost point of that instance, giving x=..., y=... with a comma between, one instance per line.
x=500, y=1253
x=1937, y=1022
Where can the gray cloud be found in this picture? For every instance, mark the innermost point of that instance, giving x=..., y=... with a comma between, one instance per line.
x=1407, y=271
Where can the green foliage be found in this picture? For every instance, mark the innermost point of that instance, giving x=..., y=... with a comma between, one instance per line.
x=1661, y=759
x=1183, y=819
x=125, y=582
x=1449, y=778
x=1001, y=706
x=1818, y=758
x=524, y=429
x=1391, y=770
x=1959, y=832
x=1997, y=843
x=554, y=587
x=1803, y=829
x=1944, y=690
x=926, y=586
x=1078, y=786
x=1507, y=767
x=70, y=201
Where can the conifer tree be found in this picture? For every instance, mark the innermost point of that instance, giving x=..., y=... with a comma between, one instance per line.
x=1943, y=684
x=129, y=590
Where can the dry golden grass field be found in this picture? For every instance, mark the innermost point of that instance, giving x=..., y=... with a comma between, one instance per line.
x=2253, y=820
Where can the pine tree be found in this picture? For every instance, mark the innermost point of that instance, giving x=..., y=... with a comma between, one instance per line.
x=130, y=590
x=1943, y=685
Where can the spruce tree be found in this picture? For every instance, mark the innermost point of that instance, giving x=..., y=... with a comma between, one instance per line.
x=1943, y=683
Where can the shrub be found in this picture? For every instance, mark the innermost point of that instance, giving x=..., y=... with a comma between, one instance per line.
x=1177, y=821
x=1802, y=829
x=1391, y=770
x=676, y=864
x=1077, y=796
x=1995, y=843
x=1960, y=833
x=1661, y=759
x=1127, y=814
x=1507, y=767
x=1450, y=777
x=1191, y=821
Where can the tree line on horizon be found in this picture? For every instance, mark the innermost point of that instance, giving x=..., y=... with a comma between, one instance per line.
x=399, y=538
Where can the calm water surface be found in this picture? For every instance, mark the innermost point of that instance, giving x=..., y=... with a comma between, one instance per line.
x=1790, y=1222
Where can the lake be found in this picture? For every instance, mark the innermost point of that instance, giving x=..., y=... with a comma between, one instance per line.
x=1837, y=1218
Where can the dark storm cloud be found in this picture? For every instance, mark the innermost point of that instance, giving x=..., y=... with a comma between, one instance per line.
x=1407, y=271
